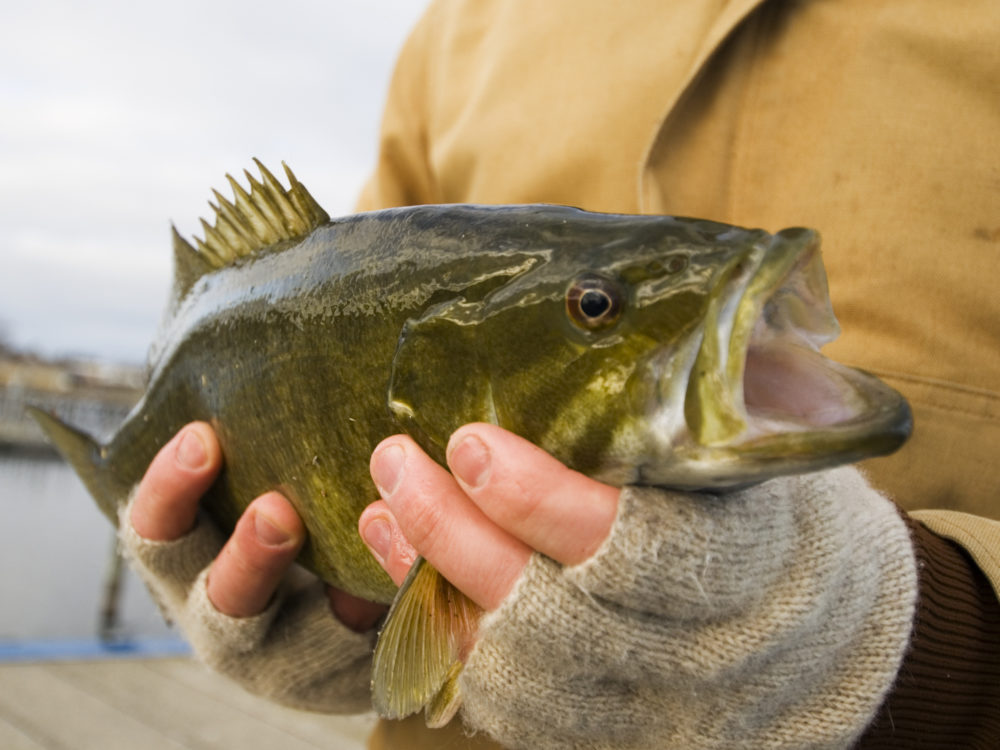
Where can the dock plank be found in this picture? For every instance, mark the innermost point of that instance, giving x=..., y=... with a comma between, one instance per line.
x=196, y=720
x=12, y=738
x=316, y=728
x=59, y=715
x=154, y=704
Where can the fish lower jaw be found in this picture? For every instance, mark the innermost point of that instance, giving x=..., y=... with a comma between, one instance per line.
x=788, y=388
x=779, y=401
x=800, y=412
x=805, y=412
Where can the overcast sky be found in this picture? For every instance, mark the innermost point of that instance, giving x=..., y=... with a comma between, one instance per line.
x=118, y=116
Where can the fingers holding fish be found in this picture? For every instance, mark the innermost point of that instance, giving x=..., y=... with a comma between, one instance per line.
x=267, y=538
x=381, y=532
x=644, y=331
x=444, y=525
x=530, y=494
x=166, y=501
x=264, y=544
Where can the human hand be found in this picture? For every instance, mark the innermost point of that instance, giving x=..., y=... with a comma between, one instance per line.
x=246, y=573
x=773, y=616
x=230, y=598
x=479, y=525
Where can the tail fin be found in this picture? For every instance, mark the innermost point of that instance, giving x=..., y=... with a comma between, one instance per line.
x=84, y=454
x=418, y=658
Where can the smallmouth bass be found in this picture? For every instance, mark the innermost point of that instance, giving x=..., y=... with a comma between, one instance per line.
x=655, y=350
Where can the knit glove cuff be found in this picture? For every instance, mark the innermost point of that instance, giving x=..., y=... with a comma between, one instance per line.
x=295, y=652
x=773, y=617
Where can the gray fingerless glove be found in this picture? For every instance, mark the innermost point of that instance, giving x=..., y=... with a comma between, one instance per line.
x=295, y=652
x=773, y=617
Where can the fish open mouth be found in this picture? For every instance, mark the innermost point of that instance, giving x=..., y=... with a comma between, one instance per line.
x=760, y=392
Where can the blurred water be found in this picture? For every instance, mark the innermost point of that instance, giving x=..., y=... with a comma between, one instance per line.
x=55, y=551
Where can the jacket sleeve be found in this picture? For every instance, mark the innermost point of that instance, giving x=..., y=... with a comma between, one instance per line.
x=947, y=692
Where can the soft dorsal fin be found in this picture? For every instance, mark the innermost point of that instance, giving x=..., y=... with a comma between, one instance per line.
x=252, y=222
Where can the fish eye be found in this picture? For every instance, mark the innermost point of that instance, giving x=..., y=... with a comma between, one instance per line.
x=594, y=302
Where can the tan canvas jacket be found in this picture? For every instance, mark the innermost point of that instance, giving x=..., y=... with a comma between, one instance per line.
x=876, y=122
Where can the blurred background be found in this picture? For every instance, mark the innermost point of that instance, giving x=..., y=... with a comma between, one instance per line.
x=116, y=119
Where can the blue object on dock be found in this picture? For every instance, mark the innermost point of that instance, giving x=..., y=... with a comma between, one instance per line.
x=83, y=649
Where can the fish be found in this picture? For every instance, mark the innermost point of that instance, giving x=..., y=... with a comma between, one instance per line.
x=637, y=349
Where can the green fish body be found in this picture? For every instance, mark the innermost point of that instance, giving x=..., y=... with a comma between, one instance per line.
x=636, y=349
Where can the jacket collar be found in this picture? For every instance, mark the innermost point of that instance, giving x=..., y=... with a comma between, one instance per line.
x=730, y=17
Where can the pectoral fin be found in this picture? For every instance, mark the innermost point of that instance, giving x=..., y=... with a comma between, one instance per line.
x=448, y=700
x=418, y=658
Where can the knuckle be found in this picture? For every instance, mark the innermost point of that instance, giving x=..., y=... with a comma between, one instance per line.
x=523, y=504
x=497, y=585
x=249, y=555
x=161, y=509
x=422, y=521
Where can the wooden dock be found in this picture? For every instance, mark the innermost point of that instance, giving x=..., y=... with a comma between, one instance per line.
x=154, y=704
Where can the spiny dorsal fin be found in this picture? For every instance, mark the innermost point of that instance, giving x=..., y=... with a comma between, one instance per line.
x=189, y=265
x=253, y=222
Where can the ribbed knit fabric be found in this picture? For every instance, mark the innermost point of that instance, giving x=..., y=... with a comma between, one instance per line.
x=947, y=694
x=774, y=617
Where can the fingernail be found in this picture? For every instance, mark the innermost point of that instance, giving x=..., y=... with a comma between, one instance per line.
x=470, y=461
x=378, y=537
x=268, y=532
x=191, y=452
x=387, y=468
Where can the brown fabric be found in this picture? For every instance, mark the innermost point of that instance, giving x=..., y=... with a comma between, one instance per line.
x=875, y=121
x=947, y=694
x=979, y=537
